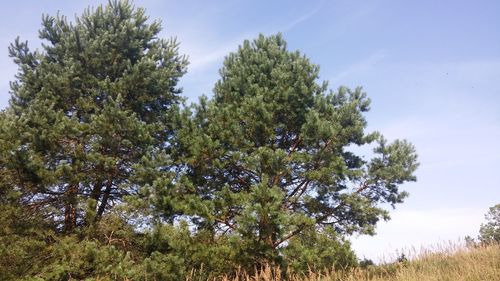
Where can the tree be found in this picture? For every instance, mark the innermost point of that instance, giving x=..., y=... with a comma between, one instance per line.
x=489, y=232
x=318, y=250
x=270, y=156
x=262, y=173
x=88, y=112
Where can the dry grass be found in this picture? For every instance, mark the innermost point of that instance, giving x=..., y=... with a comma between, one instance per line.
x=450, y=263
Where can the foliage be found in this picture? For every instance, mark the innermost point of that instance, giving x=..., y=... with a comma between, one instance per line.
x=89, y=107
x=270, y=156
x=316, y=251
x=23, y=240
x=489, y=232
x=105, y=173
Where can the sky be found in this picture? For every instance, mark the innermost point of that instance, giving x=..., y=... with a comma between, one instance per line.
x=431, y=69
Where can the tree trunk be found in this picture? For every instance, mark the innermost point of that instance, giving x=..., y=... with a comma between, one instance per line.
x=104, y=201
x=70, y=209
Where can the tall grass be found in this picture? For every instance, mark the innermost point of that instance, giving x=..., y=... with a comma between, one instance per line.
x=450, y=263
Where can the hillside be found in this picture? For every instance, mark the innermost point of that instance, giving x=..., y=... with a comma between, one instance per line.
x=450, y=264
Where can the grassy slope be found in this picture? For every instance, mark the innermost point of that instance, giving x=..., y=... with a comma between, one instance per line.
x=453, y=265
x=471, y=265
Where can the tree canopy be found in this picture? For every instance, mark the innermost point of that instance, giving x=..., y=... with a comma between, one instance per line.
x=98, y=139
x=271, y=154
x=87, y=109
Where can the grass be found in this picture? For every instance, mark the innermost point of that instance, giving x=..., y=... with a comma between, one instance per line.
x=450, y=263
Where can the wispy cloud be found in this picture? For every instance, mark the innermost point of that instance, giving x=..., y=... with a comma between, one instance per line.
x=200, y=59
x=303, y=17
x=359, y=67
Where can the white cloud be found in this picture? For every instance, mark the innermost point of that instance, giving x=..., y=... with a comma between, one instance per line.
x=410, y=231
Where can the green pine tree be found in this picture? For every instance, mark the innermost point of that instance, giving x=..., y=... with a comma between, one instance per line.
x=89, y=112
x=263, y=172
x=269, y=158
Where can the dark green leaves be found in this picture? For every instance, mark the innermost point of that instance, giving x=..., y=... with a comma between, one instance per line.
x=104, y=171
x=272, y=149
x=100, y=97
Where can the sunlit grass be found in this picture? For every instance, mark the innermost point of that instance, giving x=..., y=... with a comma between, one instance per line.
x=447, y=262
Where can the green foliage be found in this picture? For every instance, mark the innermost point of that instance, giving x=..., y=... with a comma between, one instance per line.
x=366, y=263
x=105, y=175
x=211, y=256
x=23, y=241
x=489, y=233
x=269, y=156
x=316, y=251
x=96, y=101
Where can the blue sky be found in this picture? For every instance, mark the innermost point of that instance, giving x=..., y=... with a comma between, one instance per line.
x=432, y=69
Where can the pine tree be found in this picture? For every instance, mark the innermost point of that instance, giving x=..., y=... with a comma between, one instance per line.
x=269, y=158
x=88, y=111
x=263, y=172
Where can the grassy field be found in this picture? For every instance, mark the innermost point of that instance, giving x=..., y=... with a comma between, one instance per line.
x=448, y=264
